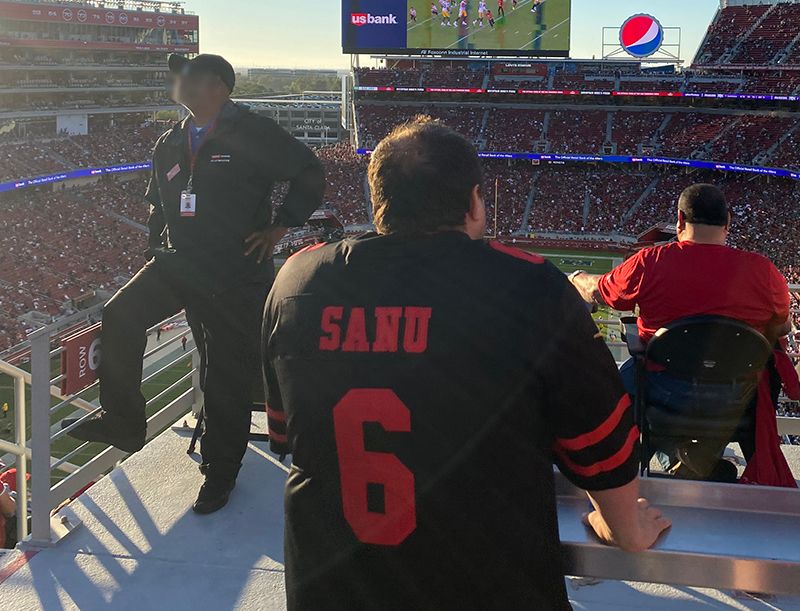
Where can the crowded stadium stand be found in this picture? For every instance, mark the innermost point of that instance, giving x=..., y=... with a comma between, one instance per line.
x=127, y=141
x=80, y=87
x=752, y=35
x=88, y=58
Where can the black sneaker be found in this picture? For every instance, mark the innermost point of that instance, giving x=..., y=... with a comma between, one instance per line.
x=97, y=429
x=213, y=495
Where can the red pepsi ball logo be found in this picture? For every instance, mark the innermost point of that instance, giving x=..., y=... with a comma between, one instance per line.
x=641, y=35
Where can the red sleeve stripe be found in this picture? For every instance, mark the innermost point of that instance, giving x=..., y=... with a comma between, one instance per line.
x=277, y=437
x=594, y=437
x=276, y=416
x=310, y=248
x=604, y=466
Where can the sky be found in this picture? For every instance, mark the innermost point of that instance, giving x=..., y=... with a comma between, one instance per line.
x=261, y=33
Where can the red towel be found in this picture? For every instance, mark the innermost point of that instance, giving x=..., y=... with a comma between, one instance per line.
x=768, y=466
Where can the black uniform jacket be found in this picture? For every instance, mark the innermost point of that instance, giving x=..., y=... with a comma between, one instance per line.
x=235, y=170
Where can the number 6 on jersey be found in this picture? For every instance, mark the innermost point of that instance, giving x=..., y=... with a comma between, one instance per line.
x=359, y=468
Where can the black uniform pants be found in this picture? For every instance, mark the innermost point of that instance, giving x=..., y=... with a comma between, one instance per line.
x=226, y=328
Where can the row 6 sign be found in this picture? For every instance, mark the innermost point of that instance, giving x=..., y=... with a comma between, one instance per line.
x=80, y=360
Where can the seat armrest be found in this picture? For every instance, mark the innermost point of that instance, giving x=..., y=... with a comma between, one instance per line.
x=630, y=335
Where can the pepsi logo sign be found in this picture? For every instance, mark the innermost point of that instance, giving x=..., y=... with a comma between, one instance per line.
x=67, y=14
x=641, y=35
x=81, y=15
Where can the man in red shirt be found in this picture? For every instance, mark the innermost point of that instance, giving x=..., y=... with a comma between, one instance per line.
x=697, y=275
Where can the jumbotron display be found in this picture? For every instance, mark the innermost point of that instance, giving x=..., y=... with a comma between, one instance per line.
x=538, y=28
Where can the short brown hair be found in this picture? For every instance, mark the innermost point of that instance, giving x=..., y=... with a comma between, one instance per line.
x=421, y=177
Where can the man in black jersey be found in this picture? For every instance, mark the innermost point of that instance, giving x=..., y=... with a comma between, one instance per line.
x=424, y=382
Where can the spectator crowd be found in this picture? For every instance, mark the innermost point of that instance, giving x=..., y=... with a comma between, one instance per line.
x=61, y=245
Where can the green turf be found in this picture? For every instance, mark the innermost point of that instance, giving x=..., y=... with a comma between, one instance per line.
x=595, y=262
x=520, y=30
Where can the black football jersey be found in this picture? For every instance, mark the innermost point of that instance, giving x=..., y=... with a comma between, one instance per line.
x=425, y=386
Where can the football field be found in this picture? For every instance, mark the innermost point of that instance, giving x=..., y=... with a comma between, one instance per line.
x=546, y=30
x=592, y=261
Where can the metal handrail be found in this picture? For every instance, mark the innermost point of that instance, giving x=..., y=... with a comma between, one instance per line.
x=68, y=429
x=95, y=384
x=64, y=459
x=169, y=342
x=64, y=431
x=20, y=450
x=83, y=446
x=44, y=496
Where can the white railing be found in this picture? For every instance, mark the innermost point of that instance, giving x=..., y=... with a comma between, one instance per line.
x=36, y=452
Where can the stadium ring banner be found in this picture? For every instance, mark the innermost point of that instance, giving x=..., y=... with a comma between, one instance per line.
x=38, y=181
x=686, y=163
x=643, y=94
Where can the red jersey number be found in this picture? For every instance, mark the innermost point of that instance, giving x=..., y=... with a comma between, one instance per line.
x=358, y=468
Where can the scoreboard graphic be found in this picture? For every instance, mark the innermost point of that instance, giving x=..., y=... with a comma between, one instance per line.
x=482, y=28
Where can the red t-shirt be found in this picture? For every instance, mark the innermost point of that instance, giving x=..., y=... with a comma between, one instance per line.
x=684, y=279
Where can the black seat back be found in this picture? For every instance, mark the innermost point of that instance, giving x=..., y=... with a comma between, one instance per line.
x=718, y=360
x=712, y=349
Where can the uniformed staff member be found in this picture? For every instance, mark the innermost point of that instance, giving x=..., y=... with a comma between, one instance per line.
x=212, y=234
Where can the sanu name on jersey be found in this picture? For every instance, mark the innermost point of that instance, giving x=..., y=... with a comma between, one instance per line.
x=397, y=329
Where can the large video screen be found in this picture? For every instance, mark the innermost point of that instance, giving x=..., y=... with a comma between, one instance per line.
x=457, y=27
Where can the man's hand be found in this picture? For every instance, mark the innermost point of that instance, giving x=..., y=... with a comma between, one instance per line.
x=642, y=535
x=264, y=242
x=587, y=285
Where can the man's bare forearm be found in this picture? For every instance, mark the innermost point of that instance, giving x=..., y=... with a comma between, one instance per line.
x=624, y=519
x=588, y=287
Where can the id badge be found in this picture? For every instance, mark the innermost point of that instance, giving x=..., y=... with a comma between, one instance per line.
x=188, y=204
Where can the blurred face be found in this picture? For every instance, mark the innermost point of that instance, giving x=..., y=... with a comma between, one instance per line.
x=188, y=89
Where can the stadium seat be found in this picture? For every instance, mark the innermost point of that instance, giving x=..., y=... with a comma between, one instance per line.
x=710, y=352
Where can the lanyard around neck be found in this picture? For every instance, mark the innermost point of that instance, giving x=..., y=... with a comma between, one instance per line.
x=193, y=152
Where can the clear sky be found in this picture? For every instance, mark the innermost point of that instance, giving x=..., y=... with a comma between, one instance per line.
x=307, y=33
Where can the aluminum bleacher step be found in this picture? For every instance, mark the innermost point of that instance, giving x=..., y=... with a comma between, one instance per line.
x=727, y=536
